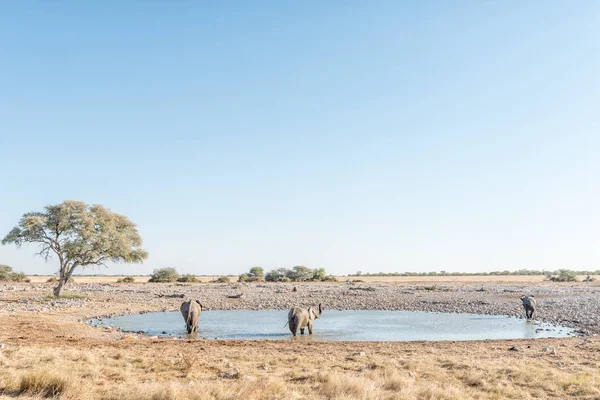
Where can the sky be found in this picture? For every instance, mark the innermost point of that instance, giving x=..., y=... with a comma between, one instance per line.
x=354, y=136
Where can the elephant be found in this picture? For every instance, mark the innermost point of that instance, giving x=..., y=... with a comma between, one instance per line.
x=529, y=305
x=191, y=314
x=301, y=318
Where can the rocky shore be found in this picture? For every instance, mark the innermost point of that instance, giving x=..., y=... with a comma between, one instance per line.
x=572, y=305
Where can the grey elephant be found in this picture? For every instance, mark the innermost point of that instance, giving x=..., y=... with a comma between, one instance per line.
x=529, y=305
x=191, y=314
x=301, y=318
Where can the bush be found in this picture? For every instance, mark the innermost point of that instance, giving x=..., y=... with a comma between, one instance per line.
x=278, y=275
x=256, y=274
x=223, y=279
x=298, y=274
x=17, y=276
x=7, y=274
x=301, y=274
x=54, y=279
x=164, y=275
x=126, y=279
x=564, y=275
x=319, y=274
x=187, y=278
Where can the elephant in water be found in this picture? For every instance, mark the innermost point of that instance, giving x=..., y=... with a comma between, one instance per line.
x=191, y=314
x=529, y=305
x=300, y=318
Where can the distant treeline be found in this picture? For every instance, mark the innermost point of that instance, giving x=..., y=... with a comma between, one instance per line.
x=492, y=273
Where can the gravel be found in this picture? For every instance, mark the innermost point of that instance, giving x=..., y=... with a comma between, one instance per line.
x=576, y=306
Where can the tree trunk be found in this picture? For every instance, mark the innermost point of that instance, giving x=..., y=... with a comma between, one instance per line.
x=59, y=287
x=65, y=274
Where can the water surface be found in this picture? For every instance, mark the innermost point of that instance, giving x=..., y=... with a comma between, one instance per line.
x=363, y=325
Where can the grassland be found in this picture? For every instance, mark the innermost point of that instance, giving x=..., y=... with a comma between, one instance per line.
x=50, y=354
x=387, y=279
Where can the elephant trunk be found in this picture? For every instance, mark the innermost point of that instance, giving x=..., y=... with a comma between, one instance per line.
x=320, y=309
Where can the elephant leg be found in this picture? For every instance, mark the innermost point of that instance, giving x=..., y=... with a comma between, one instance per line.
x=293, y=323
x=302, y=331
x=310, y=328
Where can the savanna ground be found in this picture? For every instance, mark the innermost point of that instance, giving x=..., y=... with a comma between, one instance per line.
x=388, y=279
x=51, y=354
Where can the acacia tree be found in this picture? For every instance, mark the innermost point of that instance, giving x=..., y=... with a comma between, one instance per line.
x=80, y=236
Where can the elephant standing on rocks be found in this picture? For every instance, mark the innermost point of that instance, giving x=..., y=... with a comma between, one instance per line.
x=301, y=318
x=191, y=314
x=529, y=305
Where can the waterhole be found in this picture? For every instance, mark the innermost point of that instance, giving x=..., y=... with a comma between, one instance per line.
x=363, y=325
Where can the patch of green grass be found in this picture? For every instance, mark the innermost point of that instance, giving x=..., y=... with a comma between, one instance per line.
x=67, y=296
x=432, y=287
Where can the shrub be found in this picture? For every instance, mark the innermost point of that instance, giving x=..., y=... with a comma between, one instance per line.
x=300, y=274
x=42, y=384
x=126, y=279
x=564, y=275
x=278, y=275
x=7, y=274
x=256, y=274
x=54, y=279
x=187, y=278
x=223, y=279
x=319, y=274
x=164, y=275
x=17, y=276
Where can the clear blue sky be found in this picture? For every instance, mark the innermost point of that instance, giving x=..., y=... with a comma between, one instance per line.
x=373, y=136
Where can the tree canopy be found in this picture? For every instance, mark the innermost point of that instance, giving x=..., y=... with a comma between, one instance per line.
x=79, y=235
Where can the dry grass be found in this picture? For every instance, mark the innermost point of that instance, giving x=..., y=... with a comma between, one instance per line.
x=42, y=384
x=79, y=362
x=50, y=355
x=367, y=279
x=113, y=279
x=527, y=279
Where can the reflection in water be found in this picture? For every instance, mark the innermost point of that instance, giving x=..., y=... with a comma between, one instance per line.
x=360, y=325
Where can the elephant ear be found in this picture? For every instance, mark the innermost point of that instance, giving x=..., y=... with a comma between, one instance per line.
x=200, y=304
